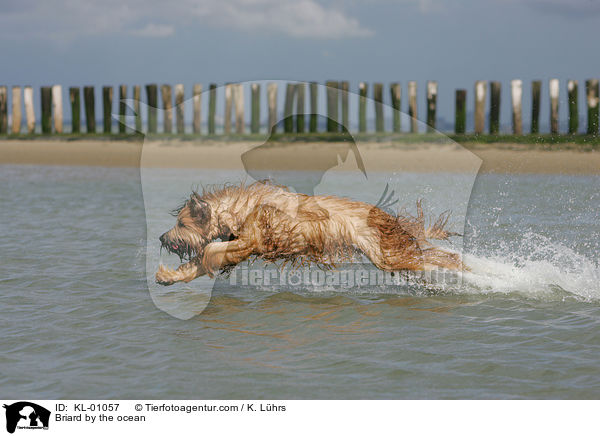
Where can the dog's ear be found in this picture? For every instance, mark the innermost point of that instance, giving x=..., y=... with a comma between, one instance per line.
x=199, y=209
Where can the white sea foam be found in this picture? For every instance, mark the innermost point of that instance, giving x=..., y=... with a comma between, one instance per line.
x=538, y=268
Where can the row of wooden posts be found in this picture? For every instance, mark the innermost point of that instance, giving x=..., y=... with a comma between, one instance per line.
x=294, y=121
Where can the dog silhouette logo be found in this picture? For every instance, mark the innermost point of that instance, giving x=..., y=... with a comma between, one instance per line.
x=26, y=415
x=304, y=169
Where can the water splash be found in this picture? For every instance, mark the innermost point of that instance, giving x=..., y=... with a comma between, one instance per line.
x=538, y=268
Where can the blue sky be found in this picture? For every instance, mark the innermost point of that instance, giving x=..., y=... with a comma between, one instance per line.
x=77, y=42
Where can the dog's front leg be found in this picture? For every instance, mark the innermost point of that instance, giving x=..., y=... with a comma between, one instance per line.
x=218, y=255
x=185, y=273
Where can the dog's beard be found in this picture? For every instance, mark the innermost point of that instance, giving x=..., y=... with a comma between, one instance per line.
x=185, y=251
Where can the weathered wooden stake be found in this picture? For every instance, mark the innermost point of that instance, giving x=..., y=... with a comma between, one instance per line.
x=46, y=110
x=107, y=99
x=591, y=87
x=238, y=94
x=212, y=107
x=272, y=103
x=536, y=95
x=495, y=91
x=197, y=103
x=516, y=93
x=180, y=108
x=137, y=107
x=90, y=109
x=300, y=92
x=29, y=109
x=460, y=116
x=396, y=97
x=3, y=109
x=57, y=108
x=16, y=110
x=345, y=88
x=167, y=100
x=122, y=108
x=432, y=91
x=412, y=106
x=573, y=88
x=288, y=108
x=332, y=106
x=554, y=88
x=378, y=100
x=228, y=108
x=362, y=106
x=152, y=96
x=75, y=100
x=480, y=94
x=255, y=106
x=314, y=109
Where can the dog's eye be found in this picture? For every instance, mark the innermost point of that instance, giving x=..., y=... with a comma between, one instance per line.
x=179, y=223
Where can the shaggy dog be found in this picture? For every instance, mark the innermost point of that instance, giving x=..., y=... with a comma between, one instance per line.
x=272, y=223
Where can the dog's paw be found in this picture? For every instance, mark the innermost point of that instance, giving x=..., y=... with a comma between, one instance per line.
x=165, y=276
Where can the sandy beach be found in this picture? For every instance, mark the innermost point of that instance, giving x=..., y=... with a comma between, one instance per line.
x=377, y=156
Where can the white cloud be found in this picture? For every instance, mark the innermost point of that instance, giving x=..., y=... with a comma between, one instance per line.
x=152, y=30
x=67, y=20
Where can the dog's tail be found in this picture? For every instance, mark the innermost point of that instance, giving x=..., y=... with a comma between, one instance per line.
x=416, y=225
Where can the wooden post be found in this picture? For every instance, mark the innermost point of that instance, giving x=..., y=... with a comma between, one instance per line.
x=480, y=94
x=3, y=109
x=197, y=103
x=90, y=108
x=536, y=95
x=591, y=87
x=167, y=100
x=378, y=99
x=107, y=99
x=137, y=107
x=412, y=106
x=255, y=113
x=238, y=93
x=332, y=106
x=228, y=108
x=432, y=91
x=57, y=108
x=212, y=107
x=122, y=108
x=46, y=110
x=288, y=108
x=516, y=93
x=314, y=108
x=29, y=109
x=396, y=96
x=179, y=108
x=573, y=88
x=152, y=96
x=345, y=86
x=362, y=106
x=460, y=115
x=300, y=91
x=495, y=91
x=554, y=88
x=16, y=110
x=272, y=102
x=75, y=100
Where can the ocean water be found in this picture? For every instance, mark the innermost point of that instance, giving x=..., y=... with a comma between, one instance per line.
x=80, y=317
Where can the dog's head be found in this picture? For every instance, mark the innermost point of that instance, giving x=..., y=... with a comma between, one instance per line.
x=192, y=229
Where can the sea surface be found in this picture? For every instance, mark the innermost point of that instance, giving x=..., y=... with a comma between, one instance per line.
x=81, y=317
